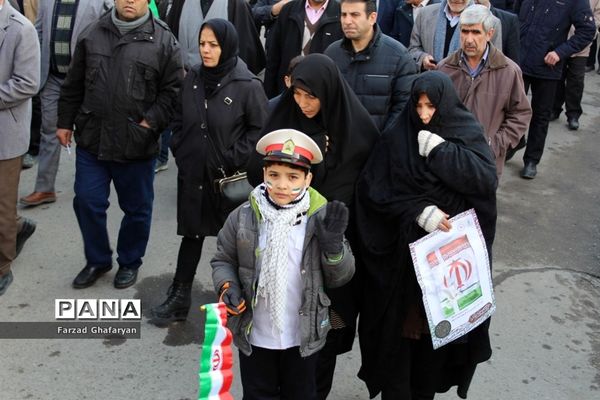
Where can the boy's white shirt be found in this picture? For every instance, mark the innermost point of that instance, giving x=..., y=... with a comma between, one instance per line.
x=263, y=333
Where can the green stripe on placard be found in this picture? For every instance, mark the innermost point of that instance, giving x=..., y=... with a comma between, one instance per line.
x=467, y=300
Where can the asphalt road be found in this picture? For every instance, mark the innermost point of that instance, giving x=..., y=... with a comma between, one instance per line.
x=546, y=331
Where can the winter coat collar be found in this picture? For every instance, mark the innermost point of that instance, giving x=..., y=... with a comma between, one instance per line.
x=496, y=59
x=366, y=52
x=147, y=28
x=331, y=14
x=239, y=73
x=5, y=12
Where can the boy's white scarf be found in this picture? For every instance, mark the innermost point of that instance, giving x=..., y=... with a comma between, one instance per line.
x=272, y=282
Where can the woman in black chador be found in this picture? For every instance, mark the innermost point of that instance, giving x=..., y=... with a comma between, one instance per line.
x=322, y=105
x=433, y=163
x=218, y=118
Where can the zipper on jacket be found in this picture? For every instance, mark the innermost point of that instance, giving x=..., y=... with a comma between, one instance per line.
x=205, y=104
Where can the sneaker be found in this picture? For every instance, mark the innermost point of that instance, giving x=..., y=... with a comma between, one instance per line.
x=28, y=161
x=161, y=166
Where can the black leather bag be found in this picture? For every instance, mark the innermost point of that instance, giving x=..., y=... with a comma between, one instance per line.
x=235, y=188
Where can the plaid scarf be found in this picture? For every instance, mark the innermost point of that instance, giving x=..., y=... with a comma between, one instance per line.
x=63, y=21
x=278, y=222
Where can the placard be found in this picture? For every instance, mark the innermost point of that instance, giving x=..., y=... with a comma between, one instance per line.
x=453, y=271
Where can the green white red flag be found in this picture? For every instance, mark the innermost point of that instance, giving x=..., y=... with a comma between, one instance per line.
x=216, y=360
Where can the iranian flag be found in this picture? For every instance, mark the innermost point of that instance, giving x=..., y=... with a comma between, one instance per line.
x=215, y=374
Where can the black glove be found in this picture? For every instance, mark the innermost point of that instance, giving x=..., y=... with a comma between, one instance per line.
x=231, y=295
x=330, y=231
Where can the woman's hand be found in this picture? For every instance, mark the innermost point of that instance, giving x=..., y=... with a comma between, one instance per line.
x=433, y=218
x=428, y=141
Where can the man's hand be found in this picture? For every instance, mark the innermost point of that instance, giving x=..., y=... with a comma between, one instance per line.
x=276, y=9
x=64, y=136
x=145, y=124
x=429, y=62
x=552, y=58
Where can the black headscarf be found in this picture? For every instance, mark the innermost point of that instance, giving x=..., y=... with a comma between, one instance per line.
x=228, y=41
x=351, y=131
x=396, y=185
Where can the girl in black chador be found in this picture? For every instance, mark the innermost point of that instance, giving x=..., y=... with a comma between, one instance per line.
x=433, y=163
x=218, y=118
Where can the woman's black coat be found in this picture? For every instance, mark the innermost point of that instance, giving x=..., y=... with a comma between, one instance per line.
x=232, y=117
x=397, y=183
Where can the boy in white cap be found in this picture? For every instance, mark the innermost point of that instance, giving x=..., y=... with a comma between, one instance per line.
x=274, y=256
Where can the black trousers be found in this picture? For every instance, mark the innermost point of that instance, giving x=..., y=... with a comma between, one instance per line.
x=188, y=258
x=594, y=54
x=570, y=88
x=542, y=102
x=423, y=372
x=326, y=363
x=278, y=375
x=36, y=126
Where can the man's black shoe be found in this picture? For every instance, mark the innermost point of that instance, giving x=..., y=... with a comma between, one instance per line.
x=125, y=277
x=573, y=124
x=511, y=152
x=555, y=115
x=89, y=275
x=5, y=281
x=529, y=171
x=27, y=229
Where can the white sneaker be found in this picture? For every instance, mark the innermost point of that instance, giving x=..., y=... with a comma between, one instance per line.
x=28, y=161
x=161, y=166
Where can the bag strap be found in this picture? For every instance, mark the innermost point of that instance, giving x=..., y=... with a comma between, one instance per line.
x=212, y=143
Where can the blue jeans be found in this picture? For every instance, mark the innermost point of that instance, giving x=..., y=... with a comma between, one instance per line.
x=165, y=140
x=134, y=185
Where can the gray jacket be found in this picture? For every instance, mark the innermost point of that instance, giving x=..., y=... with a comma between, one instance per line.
x=88, y=11
x=423, y=32
x=19, y=80
x=236, y=261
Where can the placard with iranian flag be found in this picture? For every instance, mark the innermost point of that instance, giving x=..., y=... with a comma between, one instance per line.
x=453, y=270
x=216, y=360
